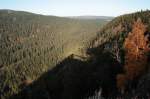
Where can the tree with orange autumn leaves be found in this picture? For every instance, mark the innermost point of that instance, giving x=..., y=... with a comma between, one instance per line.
x=136, y=49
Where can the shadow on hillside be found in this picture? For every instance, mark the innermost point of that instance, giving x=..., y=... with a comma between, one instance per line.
x=76, y=79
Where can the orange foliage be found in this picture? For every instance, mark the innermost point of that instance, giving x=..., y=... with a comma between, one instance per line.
x=136, y=48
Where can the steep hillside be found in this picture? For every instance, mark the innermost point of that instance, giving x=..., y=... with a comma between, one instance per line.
x=121, y=25
x=127, y=38
x=31, y=44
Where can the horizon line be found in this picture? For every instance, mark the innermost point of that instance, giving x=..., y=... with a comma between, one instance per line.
x=33, y=12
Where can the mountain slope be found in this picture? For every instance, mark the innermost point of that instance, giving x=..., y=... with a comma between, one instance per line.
x=127, y=38
x=31, y=44
x=122, y=24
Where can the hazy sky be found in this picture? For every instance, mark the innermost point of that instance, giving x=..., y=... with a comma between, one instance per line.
x=77, y=7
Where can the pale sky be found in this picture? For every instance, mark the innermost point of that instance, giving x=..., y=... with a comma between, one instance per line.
x=77, y=7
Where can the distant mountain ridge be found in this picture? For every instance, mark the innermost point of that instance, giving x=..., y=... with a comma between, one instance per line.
x=73, y=17
x=92, y=17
